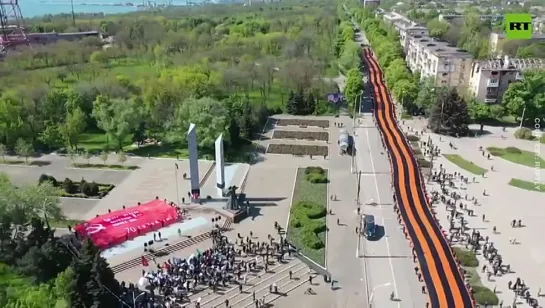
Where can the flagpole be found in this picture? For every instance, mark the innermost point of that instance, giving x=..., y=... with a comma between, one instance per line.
x=177, y=188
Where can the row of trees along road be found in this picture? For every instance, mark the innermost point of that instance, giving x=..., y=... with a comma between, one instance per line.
x=38, y=269
x=419, y=96
x=385, y=42
x=223, y=68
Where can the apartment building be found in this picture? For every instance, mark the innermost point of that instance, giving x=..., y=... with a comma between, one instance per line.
x=441, y=61
x=497, y=40
x=491, y=78
x=404, y=27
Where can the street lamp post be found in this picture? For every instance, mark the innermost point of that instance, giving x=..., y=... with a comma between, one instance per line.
x=135, y=298
x=522, y=117
x=177, y=187
x=373, y=292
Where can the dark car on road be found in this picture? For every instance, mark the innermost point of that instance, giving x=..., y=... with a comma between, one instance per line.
x=369, y=227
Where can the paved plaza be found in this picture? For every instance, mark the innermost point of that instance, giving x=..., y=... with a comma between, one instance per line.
x=501, y=205
x=363, y=270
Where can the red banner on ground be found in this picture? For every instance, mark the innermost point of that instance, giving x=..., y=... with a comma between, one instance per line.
x=119, y=226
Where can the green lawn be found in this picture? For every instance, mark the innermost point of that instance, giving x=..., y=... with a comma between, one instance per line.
x=464, y=164
x=307, y=226
x=527, y=185
x=483, y=295
x=274, y=98
x=97, y=142
x=518, y=156
x=167, y=150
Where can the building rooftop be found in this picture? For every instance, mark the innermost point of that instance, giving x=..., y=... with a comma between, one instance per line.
x=440, y=48
x=511, y=64
x=408, y=25
x=394, y=17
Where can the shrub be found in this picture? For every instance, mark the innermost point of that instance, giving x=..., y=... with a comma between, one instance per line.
x=47, y=178
x=85, y=188
x=320, y=228
x=466, y=257
x=485, y=296
x=314, y=169
x=542, y=139
x=43, y=178
x=311, y=210
x=312, y=241
x=316, y=178
x=524, y=133
x=513, y=150
x=68, y=186
x=413, y=138
x=93, y=189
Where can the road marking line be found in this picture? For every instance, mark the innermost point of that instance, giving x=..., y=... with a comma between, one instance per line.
x=380, y=207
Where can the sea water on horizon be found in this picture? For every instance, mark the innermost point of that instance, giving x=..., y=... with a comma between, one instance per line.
x=33, y=8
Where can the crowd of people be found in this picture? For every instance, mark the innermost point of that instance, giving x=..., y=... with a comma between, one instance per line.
x=179, y=281
x=460, y=233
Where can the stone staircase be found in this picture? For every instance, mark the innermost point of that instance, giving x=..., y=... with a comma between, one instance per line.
x=259, y=283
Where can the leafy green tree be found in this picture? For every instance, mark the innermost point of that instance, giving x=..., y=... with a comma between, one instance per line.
x=310, y=104
x=118, y=118
x=23, y=149
x=121, y=157
x=3, y=151
x=73, y=126
x=353, y=87
x=292, y=107
x=246, y=122
x=396, y=70
x=87, y=156
x=104, y=157
x=234, y=133
x=51, y=136
x=536, y=50
x=449, y=115
x=497, y=111
x=427, y=96
x=209, y=115
x=23, y=202
x=527, y=96
x=406, y=91
x=479, y=112
x=437, y=28
x=63, y=282
x=93, y=283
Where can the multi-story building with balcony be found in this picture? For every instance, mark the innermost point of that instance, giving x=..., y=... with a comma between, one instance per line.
x=491, y=78
x=444, y=63
x=405, y=27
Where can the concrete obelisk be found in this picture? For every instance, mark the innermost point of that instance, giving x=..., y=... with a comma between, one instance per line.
x=193, y=162
x=220, y=166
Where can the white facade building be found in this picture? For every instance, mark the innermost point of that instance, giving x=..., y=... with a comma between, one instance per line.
x=444, y=63
x=491, y=78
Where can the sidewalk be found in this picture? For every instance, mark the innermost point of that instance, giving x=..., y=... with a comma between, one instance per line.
x=502, y=204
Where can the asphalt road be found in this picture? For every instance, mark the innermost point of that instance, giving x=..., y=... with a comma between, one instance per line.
x=387, y=261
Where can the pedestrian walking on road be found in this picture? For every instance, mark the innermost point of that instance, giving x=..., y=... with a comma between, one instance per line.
x=338, y=221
